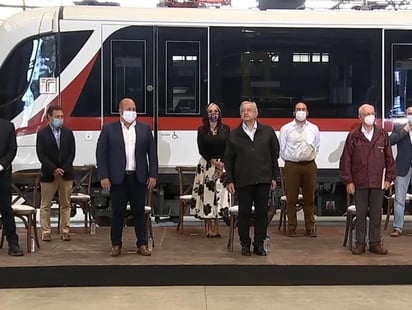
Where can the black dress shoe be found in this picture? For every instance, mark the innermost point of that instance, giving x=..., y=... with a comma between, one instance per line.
x=15, y=250
x=259, y=250
x=246, y=250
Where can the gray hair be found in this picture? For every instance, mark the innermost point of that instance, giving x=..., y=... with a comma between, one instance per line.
x=364, y=106
x=248, y=102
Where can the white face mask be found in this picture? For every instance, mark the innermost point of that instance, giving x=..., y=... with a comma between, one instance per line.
x=370, y=119
x=300, y=116
x=129, y=116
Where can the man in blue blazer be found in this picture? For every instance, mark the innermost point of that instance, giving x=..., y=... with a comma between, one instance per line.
x=402, y=137
x=127, y=165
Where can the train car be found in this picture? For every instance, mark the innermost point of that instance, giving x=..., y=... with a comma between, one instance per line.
x=173, y=62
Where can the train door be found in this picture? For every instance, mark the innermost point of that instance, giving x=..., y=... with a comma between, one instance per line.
x=128, y=64
x=182, y=92
x=398, y=73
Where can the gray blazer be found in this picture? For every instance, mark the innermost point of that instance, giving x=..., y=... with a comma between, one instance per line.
x=403, y=142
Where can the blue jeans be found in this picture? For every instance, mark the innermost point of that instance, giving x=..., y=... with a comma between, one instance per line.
x=401, y=189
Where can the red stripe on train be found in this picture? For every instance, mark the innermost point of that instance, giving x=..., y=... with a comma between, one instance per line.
x=192, y=123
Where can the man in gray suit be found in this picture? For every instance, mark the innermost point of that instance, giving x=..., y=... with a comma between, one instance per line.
x=402, y=137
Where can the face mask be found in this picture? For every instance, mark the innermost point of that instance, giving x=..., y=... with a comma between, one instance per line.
x=129, y=116
x=410, y=119
x=57, y=123
x=300, y=115
x=213, y=116
x=370, y=119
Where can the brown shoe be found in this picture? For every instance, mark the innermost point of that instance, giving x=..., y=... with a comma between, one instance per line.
x=116, y=250
x=311, y=233
x=359, y=248
x=66, y=237
x=291, y=233
x=395, y=233
x=144, y=251
x=377, y=248
x=46, y=237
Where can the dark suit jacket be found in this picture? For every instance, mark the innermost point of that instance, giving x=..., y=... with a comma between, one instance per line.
x=111, y=154
x=8, y=148
x=403, y=143
x=250, y=162
x=51, y=157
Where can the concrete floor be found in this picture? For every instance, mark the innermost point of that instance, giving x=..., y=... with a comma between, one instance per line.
x=209, y=297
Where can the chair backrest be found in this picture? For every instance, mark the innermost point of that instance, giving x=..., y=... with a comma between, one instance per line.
x=25, y=188
x=186, y=176
x=83, y=176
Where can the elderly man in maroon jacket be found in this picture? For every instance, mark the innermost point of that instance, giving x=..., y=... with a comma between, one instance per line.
x=367, y=168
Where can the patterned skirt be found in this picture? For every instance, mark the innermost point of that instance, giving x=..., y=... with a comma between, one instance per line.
x=209, y=191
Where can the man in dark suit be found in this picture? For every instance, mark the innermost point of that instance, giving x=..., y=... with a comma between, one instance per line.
x=127, y=165
x=8, y=149
x=56, y=150
x=402, y=137
x=251, y=162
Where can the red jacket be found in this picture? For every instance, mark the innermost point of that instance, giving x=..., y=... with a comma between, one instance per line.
x=363, y=161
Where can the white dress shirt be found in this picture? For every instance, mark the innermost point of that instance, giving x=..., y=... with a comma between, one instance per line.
x=299, y=143
x=248, y=131
x=368, y=135
x=129, y=137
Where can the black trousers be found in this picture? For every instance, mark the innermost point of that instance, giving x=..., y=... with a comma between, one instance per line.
x=368, y=203
x=133, y=192
x=257, y=195
x=7, y=217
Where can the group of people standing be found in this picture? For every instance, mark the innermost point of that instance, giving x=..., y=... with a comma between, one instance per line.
x=240, y=164
x=244, y=162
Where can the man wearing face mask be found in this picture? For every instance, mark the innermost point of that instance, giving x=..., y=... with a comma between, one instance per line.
x=367, y=168
x=299, y=144
x=127, y=165
x=56, y=149
x=402, y=138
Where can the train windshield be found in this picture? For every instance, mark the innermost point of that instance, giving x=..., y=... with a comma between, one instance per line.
x=28, y=72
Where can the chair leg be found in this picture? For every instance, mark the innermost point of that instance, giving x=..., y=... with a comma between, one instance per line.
x=2, y=238
x=231, y=233
x=388, y=214
x=284, y=222
x=347, y=228
x=36, y=237
x=28, y=234
x=350, y=231
x=180, y=223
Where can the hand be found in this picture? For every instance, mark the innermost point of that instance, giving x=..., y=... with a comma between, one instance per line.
x=151, y=183
x=386, y=185
x=106, y=184
x=273, y=185
x=407, y=127
x=231, y=188
x=58, y=172
x=350, y=188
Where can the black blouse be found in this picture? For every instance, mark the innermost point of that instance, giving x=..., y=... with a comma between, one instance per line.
x=212, y=146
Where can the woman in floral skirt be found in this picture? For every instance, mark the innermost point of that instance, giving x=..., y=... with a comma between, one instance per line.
x=209, y=188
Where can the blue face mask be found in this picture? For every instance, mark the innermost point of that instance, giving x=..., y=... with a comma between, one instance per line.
x=57, y=123
x=410, y=119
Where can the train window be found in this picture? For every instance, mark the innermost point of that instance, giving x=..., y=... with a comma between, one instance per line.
x=182, y=77
x=128, y=73
x=331, y=70
x=23, y=74
x=402, y=79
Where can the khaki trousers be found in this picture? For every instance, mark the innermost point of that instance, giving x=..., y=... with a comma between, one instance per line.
x=48, y=190
x=300, y=175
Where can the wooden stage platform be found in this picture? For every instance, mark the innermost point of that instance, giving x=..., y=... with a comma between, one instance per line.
x=193, y=259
